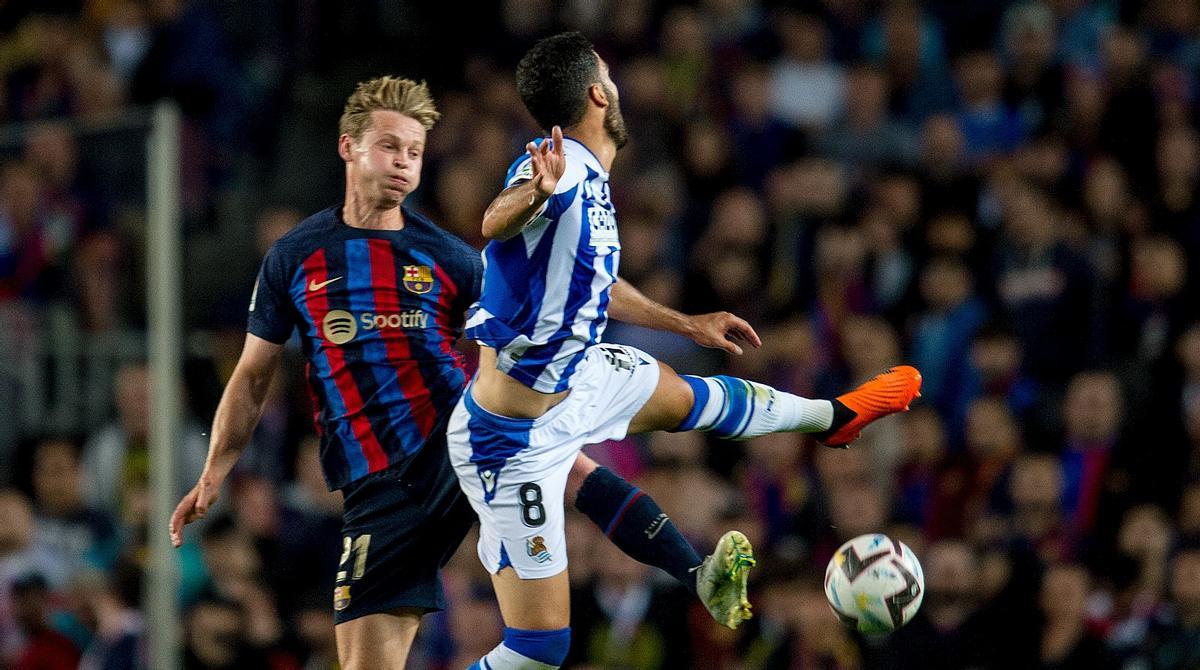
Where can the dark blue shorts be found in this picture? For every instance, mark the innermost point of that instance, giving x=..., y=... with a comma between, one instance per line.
x=399, y=527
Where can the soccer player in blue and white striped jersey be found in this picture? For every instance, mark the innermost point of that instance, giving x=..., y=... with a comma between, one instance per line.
x=547, y=385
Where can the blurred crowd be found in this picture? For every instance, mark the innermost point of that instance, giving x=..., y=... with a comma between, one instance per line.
x=1004, y=194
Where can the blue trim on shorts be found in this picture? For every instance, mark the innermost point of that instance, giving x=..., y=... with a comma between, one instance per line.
x=494, y=439
x=495, y=421
x=505, y=561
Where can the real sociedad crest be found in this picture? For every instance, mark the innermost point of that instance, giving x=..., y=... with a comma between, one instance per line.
x=418, y=278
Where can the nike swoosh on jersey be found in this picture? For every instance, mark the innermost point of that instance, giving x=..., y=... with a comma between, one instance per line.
x=314, y=286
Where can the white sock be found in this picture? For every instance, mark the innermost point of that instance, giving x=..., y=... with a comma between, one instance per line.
x=736, y=409
x=503, y=658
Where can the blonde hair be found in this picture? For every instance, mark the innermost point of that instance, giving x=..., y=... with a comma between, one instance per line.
x=405, y=96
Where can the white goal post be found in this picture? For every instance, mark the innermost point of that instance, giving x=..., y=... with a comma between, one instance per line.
x=164, y=269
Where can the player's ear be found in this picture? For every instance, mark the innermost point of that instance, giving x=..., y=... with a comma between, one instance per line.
x=345, y=146
x=597, y=95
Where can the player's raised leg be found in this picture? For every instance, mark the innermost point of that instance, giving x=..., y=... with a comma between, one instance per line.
x=634, y=522
x=738, y=409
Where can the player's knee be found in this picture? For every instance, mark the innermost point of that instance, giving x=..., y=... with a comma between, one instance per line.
x=362, y=642
x=669, y=406
x=534, y=649
x=580, y=471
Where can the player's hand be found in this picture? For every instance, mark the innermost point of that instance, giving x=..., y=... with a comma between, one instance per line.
x=193, y=506
x=722, y=330
x=549, y=163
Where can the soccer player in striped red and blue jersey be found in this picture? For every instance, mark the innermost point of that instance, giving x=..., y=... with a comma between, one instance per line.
x=378, y=293
x=379, y=312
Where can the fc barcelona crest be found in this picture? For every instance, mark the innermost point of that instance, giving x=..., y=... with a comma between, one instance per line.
x=418, y=278
x=341, y=597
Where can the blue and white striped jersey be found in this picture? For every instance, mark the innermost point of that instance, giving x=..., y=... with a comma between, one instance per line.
x=546, y=291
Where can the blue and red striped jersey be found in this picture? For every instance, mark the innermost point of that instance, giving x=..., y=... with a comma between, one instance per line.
x=378, y=313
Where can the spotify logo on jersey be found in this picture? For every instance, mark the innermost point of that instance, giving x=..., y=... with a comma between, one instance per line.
x=339, y=326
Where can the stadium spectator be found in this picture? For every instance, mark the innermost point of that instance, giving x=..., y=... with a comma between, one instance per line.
x=1171, y=643
x=989, y=126
x=910, y=43
x=314, y=629
x=1035, y=488
x=214, y=637
x=943, y=332
x=866, y=137
x=1066, y=641
x=20, y=556
x=778, y=490
x=232, y=562
x=1034, y=83
x=1152, y=313
x=1094, y=459
x=923, y=448
x=1046, y=290
x=118, y=626
x=727, y=261
x=763, y=140
x=1145, y=539
x=626, y=619
x=31, y=248
x=996, y=366
x=44, y=647
x=86, y=537
x=74, y=227
x=817, y=641
x=115, y=457
x=975, y=484
x=947, y=184
x=952, y=629
x=806, y=84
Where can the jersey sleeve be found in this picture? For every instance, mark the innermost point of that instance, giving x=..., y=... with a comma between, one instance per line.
x=270, y=306
x=521, y=170
x=476, y=278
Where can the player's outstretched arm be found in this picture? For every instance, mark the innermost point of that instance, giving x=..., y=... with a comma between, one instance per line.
x=238, y=413
x=719, y=330
x=518, y=204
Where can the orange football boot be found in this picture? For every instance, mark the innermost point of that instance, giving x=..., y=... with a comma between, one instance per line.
x=884, y=394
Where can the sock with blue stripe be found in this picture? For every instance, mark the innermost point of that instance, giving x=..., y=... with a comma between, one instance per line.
x=637, y=525
x=736, y=409
x=527, y=650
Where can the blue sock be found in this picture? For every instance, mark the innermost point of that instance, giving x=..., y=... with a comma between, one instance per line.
x=736, y=409
x=527, y=650
x=637, y=525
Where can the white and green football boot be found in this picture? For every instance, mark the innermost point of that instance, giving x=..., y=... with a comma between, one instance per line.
x=721, y=579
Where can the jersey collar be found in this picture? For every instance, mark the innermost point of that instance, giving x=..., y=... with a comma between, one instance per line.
x=584, y=152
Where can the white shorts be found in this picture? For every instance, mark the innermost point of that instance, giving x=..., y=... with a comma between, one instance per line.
x=514, y=471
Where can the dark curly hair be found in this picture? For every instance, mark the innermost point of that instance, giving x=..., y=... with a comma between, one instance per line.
x=553, y=78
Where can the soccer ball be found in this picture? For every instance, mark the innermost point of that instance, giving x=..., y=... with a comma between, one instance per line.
x=874, y=583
